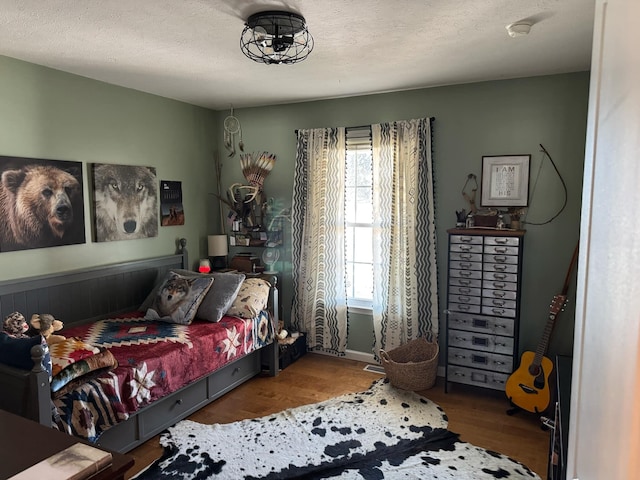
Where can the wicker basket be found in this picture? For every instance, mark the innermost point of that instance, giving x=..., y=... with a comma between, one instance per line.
x=412, y=366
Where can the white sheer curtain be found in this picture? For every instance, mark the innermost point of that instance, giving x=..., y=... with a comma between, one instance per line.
x=318, y=244
x=405, y=297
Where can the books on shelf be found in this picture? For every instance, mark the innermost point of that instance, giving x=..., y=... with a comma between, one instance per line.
x=77, y=462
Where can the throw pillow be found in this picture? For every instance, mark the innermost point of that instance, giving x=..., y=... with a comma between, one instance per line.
x=178, y=298
x=220, y=296
x=16, y=352
x=252, y=298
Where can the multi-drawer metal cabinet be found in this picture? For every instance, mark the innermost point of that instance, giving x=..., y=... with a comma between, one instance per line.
x=483, y=306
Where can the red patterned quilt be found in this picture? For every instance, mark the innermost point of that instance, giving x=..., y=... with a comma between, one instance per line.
x=154, y=359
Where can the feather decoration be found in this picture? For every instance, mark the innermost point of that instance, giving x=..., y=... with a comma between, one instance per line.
x=255, y=167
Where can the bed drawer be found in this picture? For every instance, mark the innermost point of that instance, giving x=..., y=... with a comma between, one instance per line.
x=177, y=405
x=479, y=378
x=228, y=377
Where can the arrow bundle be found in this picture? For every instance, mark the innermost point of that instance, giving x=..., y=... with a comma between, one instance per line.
x=256, y=167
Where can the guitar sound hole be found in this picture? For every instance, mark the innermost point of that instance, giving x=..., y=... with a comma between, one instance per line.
x=534, y=370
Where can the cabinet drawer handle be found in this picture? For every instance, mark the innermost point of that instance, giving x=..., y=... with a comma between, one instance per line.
x=500, y=276
x=464, y=299
x=460, y=356
x=466, y=239
x=465, y=248
x=500, y=250
x=498, y=303
x=501, y=240
x=465, y=265
x=500, y=258
x=465, y=273
x=463, y=281
x=499, y=284
x=465, y=290
x=464, y=307
x=498, y=311
x=179, y=401
x=500, y=268
x=465, y=256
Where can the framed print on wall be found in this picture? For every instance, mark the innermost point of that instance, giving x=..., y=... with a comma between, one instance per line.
x=41, y=203
x=125, y=202
x=505, y=180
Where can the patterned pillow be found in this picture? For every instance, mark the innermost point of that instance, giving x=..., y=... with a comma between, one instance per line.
x=251, y=299
x=178, y=298
x=220, y=296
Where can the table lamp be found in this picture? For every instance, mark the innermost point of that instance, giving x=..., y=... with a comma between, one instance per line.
x=218, y=251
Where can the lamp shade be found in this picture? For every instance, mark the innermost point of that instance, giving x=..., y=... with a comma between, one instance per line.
x=218, y=245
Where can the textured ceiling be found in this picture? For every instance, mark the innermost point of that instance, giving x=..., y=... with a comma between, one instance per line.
x=189, y=49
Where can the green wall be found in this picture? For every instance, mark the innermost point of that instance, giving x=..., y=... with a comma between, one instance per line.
x=54, y=115
x=472, y=120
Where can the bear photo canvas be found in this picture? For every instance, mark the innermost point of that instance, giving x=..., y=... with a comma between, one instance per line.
x=41, y=203
x=125, y=202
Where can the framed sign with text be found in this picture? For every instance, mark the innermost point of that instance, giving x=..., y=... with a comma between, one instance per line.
x=505, y=181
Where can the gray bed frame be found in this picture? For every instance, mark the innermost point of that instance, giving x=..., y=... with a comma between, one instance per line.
x=87, y=295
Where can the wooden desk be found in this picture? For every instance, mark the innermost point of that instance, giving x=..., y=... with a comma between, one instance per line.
x=24, y=443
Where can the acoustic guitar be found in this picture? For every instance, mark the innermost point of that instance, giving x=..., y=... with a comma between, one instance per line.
x=528, y=386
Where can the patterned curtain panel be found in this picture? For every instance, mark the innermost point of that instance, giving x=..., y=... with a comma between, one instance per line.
x=405, y=296
x=318, y=244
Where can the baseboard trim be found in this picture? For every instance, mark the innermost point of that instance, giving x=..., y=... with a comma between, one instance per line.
x=351, y=355
x=368, y=358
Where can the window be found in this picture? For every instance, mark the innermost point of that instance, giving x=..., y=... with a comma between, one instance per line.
x=359, y=217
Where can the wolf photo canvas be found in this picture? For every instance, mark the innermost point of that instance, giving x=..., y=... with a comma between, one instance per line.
x=41, y=203
x=125, y=202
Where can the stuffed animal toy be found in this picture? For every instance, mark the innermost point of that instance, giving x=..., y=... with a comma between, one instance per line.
x=15, y=325
x=45, y=324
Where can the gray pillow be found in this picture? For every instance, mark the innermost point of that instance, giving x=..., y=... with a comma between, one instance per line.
x=220, y=296
x=178, y=299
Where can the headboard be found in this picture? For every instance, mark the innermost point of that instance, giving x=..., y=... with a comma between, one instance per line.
x=90, y=293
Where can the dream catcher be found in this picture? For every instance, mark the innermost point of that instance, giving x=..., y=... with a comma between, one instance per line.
x=232, y=128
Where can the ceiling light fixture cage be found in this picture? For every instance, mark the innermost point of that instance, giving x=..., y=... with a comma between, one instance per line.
x=276, y=37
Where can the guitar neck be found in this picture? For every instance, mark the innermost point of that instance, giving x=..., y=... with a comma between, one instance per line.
x=544, y=341
x=556, y=306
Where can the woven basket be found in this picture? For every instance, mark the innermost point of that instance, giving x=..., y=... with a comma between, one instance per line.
x=412, y=366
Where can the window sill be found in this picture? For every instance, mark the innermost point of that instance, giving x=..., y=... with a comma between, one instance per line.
x=360, y=309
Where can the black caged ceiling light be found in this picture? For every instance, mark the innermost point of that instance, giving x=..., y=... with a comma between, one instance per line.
x=276, y=37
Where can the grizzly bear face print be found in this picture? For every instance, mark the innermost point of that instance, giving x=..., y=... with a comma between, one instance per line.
x=40, y=205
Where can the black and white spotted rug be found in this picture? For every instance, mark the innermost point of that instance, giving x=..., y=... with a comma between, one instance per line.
x=380, y=433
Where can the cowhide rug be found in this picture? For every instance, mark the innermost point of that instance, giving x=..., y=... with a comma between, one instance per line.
x=380, y=433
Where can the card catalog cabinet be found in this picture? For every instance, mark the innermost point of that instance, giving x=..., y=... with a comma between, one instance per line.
x=483, y=306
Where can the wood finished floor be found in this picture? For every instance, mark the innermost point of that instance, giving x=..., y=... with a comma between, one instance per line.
x=478, y=415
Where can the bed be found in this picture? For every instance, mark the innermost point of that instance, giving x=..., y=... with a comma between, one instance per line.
x=131, y=377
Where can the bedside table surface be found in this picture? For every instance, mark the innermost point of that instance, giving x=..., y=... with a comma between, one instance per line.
x=24, y=443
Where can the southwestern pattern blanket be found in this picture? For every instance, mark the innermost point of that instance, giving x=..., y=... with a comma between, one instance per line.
x=153, y=360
